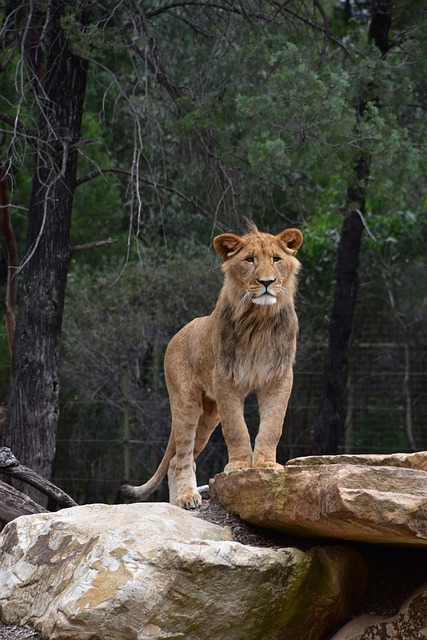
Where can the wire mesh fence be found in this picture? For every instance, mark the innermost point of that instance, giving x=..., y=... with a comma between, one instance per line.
x=101, y=443
x=104, y=439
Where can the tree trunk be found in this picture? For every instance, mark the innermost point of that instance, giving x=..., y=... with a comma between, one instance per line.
x=33, y=408
x=330, y=419
x=12, y=257
x=329, y=427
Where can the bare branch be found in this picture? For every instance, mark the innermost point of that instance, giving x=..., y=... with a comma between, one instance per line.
x=402, y=37
x=10, y=465
x=209, y=5
x=16, y=124
x=92, y=245
x=322, y=12
x=211, y=216
x=155, y=59
x=313, y=25
x=9, y=58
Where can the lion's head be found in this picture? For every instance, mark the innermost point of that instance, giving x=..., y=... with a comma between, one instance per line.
x=260, y=268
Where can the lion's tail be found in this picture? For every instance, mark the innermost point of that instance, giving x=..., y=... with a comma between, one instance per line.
x=141, y=493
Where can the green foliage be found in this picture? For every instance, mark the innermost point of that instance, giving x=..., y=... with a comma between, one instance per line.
x=296, y=115
x=89, y=40
x=98, y=212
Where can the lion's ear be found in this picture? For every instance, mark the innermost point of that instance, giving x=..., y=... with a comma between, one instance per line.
x=227, y=244
x=292, y=238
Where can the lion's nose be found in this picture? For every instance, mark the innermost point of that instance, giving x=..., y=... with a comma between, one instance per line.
x=266, y=283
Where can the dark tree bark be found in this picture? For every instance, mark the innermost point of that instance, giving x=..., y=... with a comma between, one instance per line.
x=329, y=427
x=32, y=417
x=12, y=257
x=330, y=419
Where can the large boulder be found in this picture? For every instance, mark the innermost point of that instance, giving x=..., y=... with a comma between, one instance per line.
x=143, y=571
x=362, y=502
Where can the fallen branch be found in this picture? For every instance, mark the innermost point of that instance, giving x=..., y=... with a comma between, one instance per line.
x=10, y=465
x=14, y=503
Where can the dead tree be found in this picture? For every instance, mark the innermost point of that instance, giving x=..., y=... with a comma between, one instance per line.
x=14, y=503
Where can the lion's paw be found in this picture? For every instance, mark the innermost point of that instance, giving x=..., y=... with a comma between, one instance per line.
x=269, y=465
x=234, y=465
x=189, y=500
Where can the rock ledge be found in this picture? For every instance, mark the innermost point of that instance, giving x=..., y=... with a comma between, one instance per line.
x=361, y=499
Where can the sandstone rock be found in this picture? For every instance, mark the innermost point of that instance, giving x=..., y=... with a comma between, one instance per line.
x=409, y=624
x=141, y=571
x=409, y=460
x=376, y=504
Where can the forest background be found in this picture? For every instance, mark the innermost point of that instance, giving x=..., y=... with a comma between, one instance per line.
x=161, y=124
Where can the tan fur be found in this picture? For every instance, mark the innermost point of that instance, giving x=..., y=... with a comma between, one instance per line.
x=247, y=344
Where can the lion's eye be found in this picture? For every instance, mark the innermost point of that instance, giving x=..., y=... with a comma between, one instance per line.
x=249, y=259
x=276, y=258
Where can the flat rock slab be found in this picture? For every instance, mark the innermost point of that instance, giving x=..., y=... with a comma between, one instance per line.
x=362, y=503
x=416, y=460
x=143, y=571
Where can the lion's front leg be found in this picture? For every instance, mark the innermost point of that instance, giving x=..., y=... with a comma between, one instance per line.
x=230, y=403
x=273, y=401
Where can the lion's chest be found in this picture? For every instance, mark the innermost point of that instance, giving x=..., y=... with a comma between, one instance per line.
x=257, y=347
x=256, y=371
x=252, y=366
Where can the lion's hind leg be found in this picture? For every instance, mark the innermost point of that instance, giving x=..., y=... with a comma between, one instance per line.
x=173, y=487
x=208, y=422
x=186, y=411
x=182, y=477
x=182, y=473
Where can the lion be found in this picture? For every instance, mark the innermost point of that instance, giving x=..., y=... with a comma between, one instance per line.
x=247, y=344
